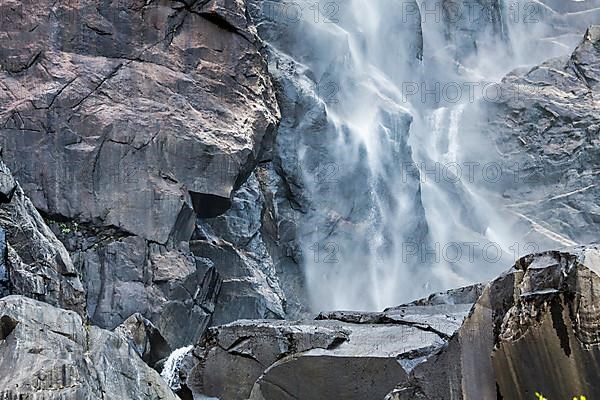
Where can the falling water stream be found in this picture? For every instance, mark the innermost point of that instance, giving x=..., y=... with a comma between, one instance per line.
x=386, y=212
x=170, y=372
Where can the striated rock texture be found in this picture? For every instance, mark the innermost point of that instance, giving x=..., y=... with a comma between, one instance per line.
x=129, y=106
x=347, y=355
x=546, y=139
x=49, y=353
x=159, y=195
x=34, y=262
x=534, y=329
x=137, y=116
x=236, y=241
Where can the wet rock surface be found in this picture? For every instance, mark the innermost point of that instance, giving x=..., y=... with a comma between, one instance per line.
x=546, y=137
x=156, y=194
x=308, y=176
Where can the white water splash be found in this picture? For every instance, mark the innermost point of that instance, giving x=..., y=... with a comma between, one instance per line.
x=170, y=372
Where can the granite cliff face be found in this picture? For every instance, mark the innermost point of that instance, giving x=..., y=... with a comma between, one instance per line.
x=137, y=116
x=547, y=136
x=350, y=206
x=34, y=262
x=209, y=173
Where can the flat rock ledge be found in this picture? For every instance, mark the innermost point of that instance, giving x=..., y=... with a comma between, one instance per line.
x=346, y=355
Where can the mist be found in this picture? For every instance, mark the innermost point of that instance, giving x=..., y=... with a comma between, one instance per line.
x=402, y=186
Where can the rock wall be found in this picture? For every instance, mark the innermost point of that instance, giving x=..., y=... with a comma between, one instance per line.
x=34, y=262
x=546, y=139
x=327, y=195
x=137, y=117
x=159, y=194
x=237, y=242
x=142, y=116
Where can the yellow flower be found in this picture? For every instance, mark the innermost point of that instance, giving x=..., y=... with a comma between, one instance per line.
x=541, y=397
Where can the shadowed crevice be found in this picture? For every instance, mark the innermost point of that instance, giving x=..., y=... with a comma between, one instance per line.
x=209, y=205
x=7, y=325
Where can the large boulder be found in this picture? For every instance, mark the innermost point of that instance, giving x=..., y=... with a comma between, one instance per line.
x=534, y=329
x=348, y=355
x=50, y=353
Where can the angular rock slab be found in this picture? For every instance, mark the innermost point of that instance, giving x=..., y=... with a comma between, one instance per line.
x=169, y=286
x=49, y=353
x=349, y=355
x=145, y=339
x=36, y=263
x=361, y=368
x=534, y=329
x=249, y=288
x=236, y=242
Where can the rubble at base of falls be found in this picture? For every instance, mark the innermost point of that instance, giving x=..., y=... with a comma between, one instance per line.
x=50, y=353
x=535, y=328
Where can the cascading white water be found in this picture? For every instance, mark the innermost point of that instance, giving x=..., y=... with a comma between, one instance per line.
x=382, y=227
x=362, y=214
x=170, y=372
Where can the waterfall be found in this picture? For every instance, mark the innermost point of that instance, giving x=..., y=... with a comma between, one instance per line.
x=376, y=130
x=170, y=372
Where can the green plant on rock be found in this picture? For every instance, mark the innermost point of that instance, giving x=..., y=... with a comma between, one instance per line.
x=64, y=228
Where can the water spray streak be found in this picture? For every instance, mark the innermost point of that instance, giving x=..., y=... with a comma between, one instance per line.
x=170, y=372
x=387, y=219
